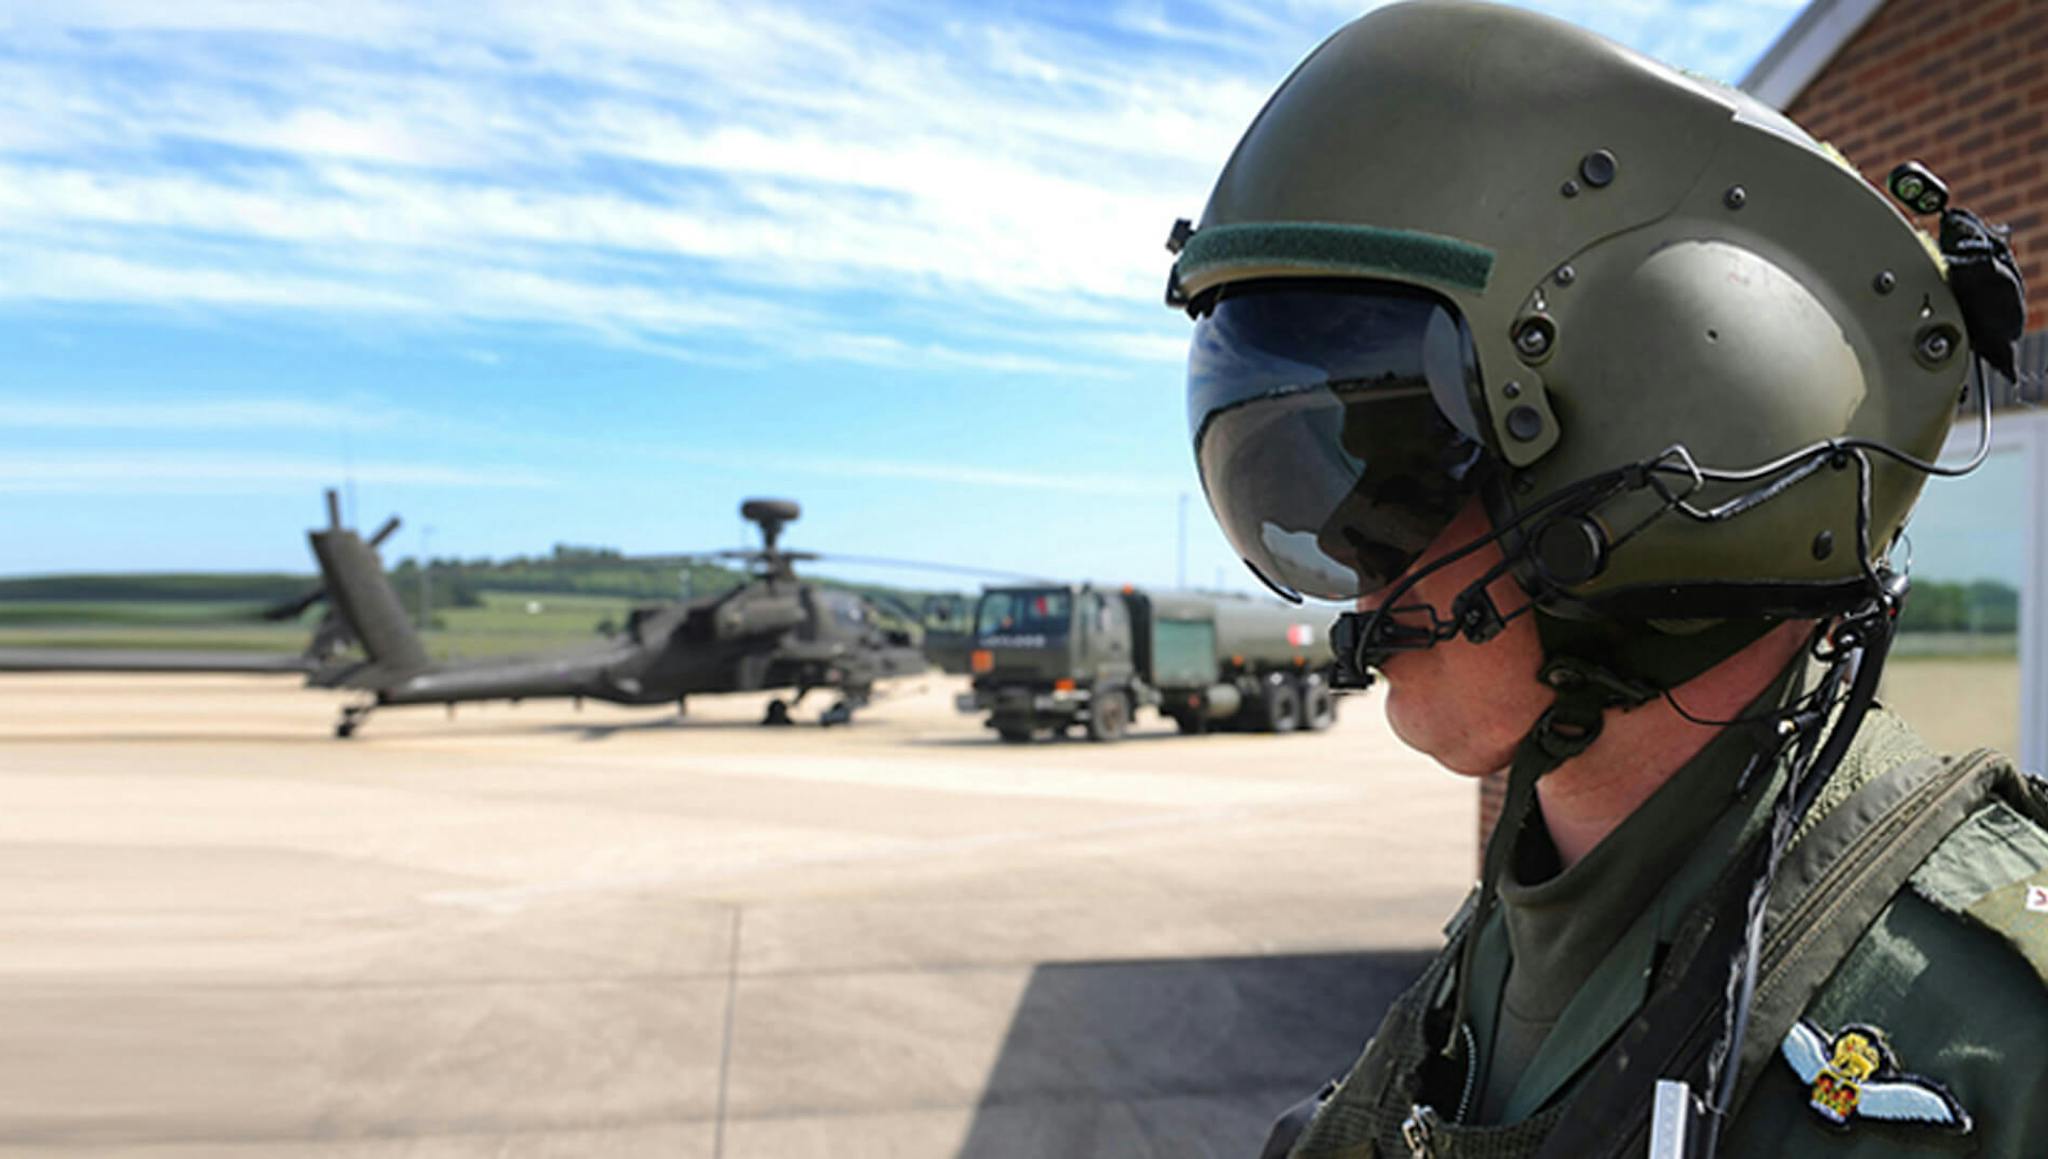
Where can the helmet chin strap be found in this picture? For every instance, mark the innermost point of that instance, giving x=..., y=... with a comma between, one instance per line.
x=1574, y=720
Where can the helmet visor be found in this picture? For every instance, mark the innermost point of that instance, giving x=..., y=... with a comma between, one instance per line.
x=1334, y=427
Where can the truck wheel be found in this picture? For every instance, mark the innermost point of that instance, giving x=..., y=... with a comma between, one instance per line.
x=1108, y=716
x=1014, y=735
x=1318, y=705
x=1282, y=705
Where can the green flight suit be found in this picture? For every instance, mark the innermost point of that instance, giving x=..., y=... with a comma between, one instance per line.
x=1904, y=906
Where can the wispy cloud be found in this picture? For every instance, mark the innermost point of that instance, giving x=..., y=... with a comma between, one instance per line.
x=161, y=472
x=951, y=474
x=196, y=415
x=640, y=172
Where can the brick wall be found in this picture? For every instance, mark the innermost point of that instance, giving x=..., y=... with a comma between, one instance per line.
x=1961, y=85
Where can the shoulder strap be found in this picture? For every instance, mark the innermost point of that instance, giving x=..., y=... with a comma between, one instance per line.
x=1830, y=888
x=1915, y=807
x=1992, y=871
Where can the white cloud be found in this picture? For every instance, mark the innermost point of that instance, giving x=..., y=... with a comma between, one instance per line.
x=647, y=172
x=786, y=151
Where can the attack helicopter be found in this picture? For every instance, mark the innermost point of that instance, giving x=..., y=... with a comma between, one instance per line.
x=773, y=631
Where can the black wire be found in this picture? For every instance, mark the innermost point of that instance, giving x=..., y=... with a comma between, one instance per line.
x=1831, y=447
x=1612, y=482
x=1791, y=709
x=1724, y=1061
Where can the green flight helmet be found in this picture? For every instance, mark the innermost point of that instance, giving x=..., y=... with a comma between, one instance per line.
x=1467, y=249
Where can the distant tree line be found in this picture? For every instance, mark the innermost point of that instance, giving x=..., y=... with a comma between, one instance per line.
x=266, y=587
x=568, y=570
x=571, y=569
x=1984, y=606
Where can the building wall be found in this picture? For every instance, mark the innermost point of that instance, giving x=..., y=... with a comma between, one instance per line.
x=1962, y=86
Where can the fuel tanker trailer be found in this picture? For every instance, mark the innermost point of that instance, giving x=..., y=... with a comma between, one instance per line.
x=1048, y=659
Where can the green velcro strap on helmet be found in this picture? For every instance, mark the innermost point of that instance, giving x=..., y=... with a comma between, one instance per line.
x=1350, y=249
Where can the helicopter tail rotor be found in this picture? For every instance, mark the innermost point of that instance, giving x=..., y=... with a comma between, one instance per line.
x=292, y=609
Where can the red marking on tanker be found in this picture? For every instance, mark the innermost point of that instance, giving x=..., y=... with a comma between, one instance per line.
x=1300, y=635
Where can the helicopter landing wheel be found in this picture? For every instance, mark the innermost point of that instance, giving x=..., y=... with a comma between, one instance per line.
x=840, y=713
x=778, y=713
x=352, y=715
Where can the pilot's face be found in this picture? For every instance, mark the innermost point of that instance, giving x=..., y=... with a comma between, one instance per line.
x=1466, y=705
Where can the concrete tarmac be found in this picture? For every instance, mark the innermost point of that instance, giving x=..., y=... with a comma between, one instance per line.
x=532, y=932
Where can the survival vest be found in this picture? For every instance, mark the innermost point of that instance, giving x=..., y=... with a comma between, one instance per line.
x=1890, y=805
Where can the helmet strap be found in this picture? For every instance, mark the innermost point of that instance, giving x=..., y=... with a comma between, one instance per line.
x=1585, y=689
x=1533, y=760
x=1634, y=661
x=1567, y=728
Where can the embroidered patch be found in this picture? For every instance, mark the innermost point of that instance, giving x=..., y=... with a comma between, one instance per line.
x=1853, y=1075
x=2037, y=899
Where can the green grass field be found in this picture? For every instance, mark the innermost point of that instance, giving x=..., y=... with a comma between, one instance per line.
x=511, y=622
x=83, y=613
x=507, y=623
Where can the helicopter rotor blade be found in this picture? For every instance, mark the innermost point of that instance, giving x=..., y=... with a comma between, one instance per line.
x=929, y=565
x=757, y=553
x=293, y=609
x=682, y=557
x=679, y=558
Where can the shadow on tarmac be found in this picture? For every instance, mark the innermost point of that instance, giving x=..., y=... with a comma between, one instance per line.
x=1176, y=1059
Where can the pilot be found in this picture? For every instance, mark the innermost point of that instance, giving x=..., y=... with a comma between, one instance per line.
x=1603, y=393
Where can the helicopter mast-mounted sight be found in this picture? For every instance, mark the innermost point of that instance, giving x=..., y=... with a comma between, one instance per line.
x=772, y=515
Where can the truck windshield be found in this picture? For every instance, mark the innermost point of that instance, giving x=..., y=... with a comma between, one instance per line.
x=1034, y=613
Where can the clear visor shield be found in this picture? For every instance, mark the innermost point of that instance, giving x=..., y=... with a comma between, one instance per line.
x=1334, y=427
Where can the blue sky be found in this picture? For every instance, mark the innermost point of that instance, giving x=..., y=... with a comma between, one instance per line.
x=541, y=272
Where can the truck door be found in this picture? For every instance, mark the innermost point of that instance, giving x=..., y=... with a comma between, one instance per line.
x=1108, y=628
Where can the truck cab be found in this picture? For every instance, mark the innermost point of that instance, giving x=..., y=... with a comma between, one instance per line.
x=1042, y=654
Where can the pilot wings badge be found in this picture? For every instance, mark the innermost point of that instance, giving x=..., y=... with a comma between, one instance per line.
x=1853, y=1075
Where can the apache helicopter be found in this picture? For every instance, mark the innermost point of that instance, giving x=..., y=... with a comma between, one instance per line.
x=774, y=631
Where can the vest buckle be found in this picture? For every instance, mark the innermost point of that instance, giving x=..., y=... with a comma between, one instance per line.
x=1418, y=1131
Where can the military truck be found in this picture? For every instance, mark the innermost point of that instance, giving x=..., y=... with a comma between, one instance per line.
x=1050, y=659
